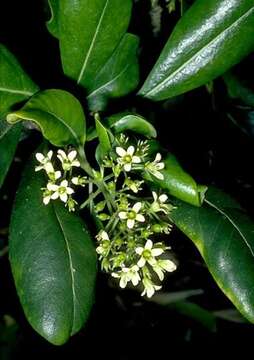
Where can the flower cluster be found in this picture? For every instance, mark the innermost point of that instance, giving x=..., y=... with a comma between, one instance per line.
x=60, y=182
x=130, y=222
x=127, y=244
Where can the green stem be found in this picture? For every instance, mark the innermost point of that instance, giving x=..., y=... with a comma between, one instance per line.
x=91, y=197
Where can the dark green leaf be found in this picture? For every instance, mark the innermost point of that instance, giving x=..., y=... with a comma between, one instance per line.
x=52, y=24
x=9, y=138
x=15, y=85
x=223, y=233
x=179, y=183
x=118, y=77
x=53, y=262
x=237, y=90
x=104, y=139
x=131, y=122
x=90, y=30
x=58, y=114
x=212, y=36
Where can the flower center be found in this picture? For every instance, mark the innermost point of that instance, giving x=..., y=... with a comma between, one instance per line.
x=127, y=159
x=132, y=215
x=62, y=190
x=147, y=254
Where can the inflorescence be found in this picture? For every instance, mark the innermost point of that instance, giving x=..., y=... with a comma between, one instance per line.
x=128, y=219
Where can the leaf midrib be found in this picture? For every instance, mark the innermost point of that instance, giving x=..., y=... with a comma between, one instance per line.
x=234, y=24
x=71, y=269
x=92, y=43
x=233, y=223
x=16, y=91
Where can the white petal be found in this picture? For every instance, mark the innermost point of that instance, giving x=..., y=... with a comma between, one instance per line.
x=75, y=163
x=149, y=244
x=127, y=167
x=55, y=196
x=150, y=291
x=64, y=197
x=64, y=183
x=163, y=198
x=135, y=279
x=46, y=200
x=168, y=265
x=50, y=154
x=72, y=155
x=115, y=275
x=130, y=150
x=58, y=174
x=38, y=168
x=130, y=223
x=75, y=180
x=157, y=251
x=139, y=250
x=49, y=167
x=123, y=282
x=141, y=262
x=158, y=175
x=104, y=235
x=69, y=191
x=52, y=187
x=62, y=155
x=159, y=272
x=160, y=166
x=40, y=157
x=136, y=159
x=123, y=215
x=157, y=157
x=137, y=207
x=155, y=196
x=140, y=218
x=120, y=151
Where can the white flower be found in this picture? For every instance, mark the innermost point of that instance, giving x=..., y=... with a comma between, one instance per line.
x=163, y=265
x=128, y=274
x=102, y=235
x=46, y=196
x=60, y=191
x=148, y=253
x=79, y=180
x=155, y=167
x=149, y=287
x=127, y=157
x=55, y=175
x=133, y=185
x=159, y=203
x=68, y=161
x=132, y=215
x=45, y=162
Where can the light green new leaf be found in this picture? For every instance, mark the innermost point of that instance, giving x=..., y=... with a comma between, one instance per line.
x=223, y=234
x=179, y=183
x=118, y=77
x=52, y=24
x=211, y=37
x=123, y=122
x=9, y=138
x=89, y=32
x=15, y=85
x=58, y=114
x=53, y=262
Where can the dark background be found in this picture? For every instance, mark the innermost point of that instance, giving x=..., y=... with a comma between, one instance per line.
x=195, y=127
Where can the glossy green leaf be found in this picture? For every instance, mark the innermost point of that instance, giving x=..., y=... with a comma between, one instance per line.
x=58, y=114
x=223, y=234
x=15, y=85
x=237, y=90
x=90, y=30
x=179, y=183
x=53, y=262
x=131, y=122
x=104, y=140
x=52, y=24
x=211, y=37
x=9, y=138
x=118, y=77
x=122, y=122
